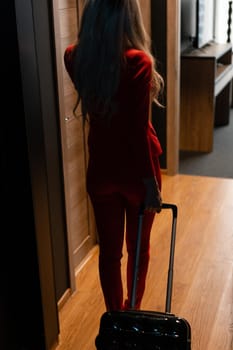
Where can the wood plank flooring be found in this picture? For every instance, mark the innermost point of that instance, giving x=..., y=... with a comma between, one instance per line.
x=203, y=271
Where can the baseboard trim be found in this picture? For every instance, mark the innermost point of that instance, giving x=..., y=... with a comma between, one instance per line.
x=64, y=299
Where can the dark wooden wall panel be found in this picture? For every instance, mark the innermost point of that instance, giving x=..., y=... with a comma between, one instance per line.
x=159, y=47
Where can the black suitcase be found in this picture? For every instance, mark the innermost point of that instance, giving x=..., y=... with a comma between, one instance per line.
x=146, y=330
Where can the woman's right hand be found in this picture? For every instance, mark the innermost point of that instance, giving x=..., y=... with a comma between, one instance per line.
x=153, y=199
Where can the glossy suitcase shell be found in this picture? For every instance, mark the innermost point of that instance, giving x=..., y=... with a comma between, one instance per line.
x=146, y=330
x=143, y=330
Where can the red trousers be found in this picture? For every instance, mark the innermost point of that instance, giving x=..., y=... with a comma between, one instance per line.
x=116, y=210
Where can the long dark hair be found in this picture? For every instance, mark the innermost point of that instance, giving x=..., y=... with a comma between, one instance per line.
x=107, y=28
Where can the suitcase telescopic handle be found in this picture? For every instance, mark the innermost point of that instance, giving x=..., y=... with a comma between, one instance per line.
x=174, y=209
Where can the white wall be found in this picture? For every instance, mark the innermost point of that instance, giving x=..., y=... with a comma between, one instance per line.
x=221, y=18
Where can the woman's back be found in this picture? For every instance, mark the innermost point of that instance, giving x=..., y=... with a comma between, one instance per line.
x=118, y=149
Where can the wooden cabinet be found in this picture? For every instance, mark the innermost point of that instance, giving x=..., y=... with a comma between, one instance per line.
x=206, y=76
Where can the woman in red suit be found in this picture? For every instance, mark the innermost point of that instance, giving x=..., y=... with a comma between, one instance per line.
x=114, y=74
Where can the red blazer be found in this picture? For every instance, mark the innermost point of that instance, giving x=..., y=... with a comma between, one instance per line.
x=127, y=150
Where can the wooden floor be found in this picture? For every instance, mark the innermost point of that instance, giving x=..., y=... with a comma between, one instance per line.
x=203, y=271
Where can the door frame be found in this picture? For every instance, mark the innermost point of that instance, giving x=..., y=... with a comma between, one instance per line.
x=173, y=86
x=59, y=73
x=40, y=106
